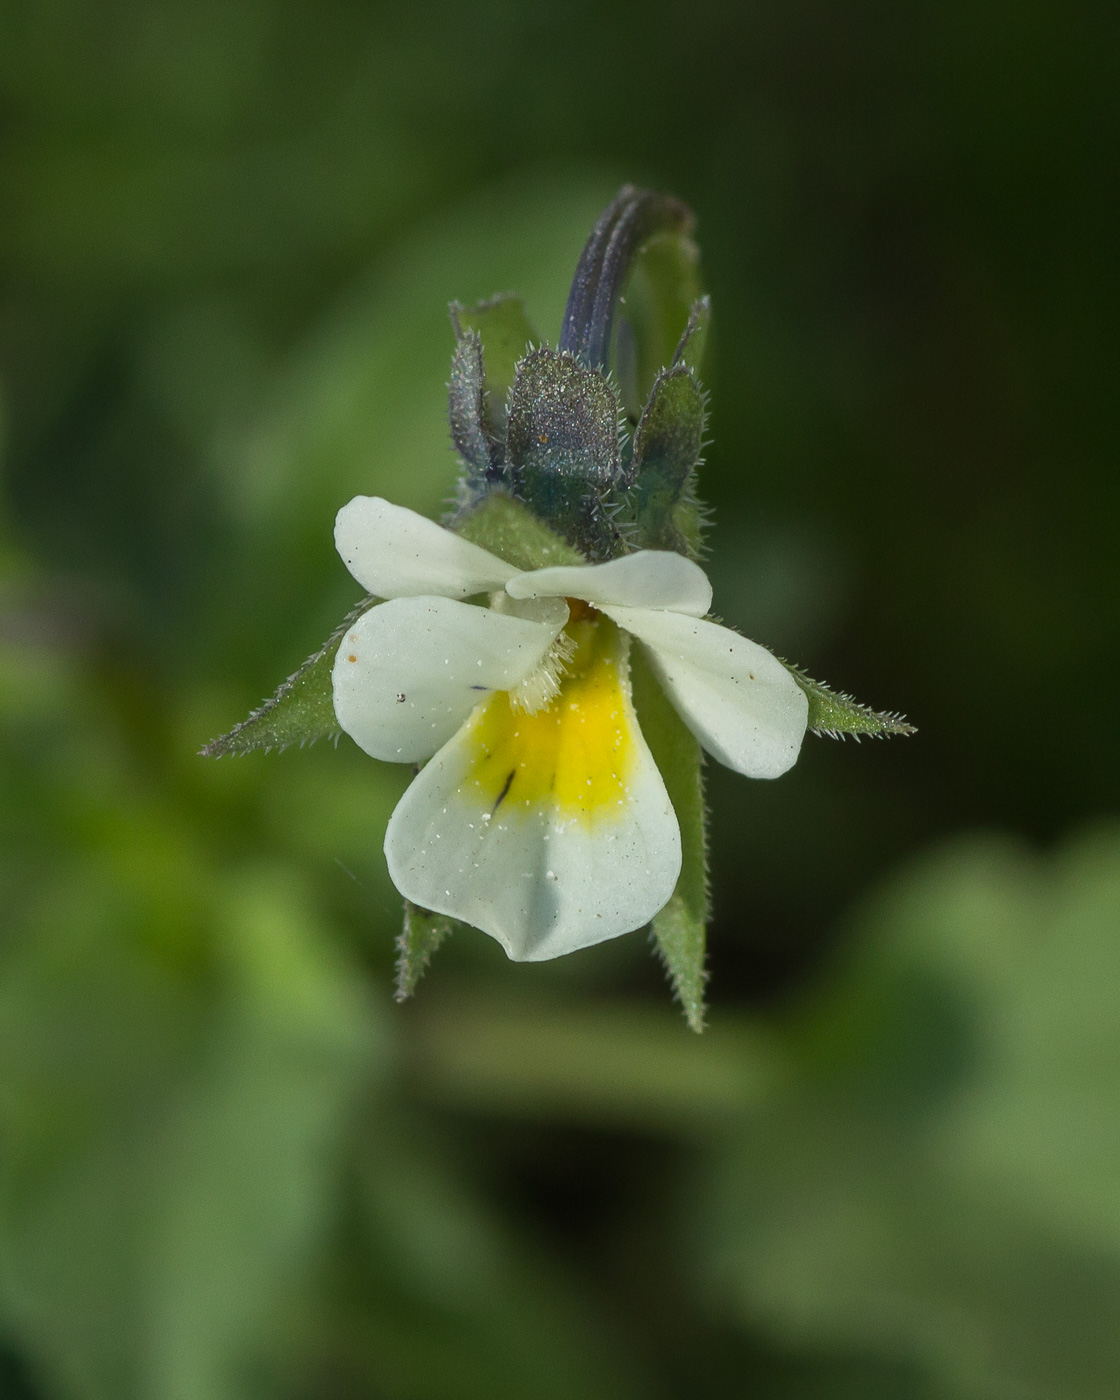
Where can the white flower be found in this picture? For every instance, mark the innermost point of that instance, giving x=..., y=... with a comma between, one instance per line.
x=540, y=815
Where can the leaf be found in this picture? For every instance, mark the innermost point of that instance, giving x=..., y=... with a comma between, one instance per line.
x=505, y=334
x=511, y=531
x=834, y=714
x=562, y=447
x=171, y=1132
x=612, y=1064
x=441, y=1297
x=667, y=445
x=938, y=1183
x=300, y=712
x=680, y=928
x=421, y=935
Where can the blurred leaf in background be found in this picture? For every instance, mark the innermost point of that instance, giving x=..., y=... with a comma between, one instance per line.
x=942, y=1182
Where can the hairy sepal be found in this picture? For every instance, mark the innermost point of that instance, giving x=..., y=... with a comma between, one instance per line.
x=466, y=413
x=661, y=310
x=301, y=711
x=836, y=715
x=680, y=929
x=420, y=936
x=694, y=338
x=505, y=333
x=667, y=446
x=563, y=450
x=509, y=529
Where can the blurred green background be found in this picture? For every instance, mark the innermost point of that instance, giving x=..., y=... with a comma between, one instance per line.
x=230, y=1167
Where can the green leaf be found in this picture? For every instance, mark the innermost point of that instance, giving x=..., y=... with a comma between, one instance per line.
x=938, y=1183
x=300, y=712
x=421, y=935
x=680, y=928
x=667, y=446
x=506, y=333
x=835, y=715
x=598, y=1062
x=171, y=1133
x=441, y=1300
x=510, y=530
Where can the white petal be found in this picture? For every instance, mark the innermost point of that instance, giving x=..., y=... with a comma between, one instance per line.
x=410, y=671
x=739, y=700
x=652, y=578
x=511, y=847
x=396, y=553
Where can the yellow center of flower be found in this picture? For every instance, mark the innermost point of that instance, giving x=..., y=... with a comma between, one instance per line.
x=575, y=754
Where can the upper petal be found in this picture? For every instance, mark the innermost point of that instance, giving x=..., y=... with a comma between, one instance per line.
x=739, y=700
x=396, y=553
x=410, y=671
x=551, y=832
x=652, y=578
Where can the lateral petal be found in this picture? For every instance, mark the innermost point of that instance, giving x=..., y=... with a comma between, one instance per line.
x=738, y=699
x=550, y=832
x=396, y=553
x=410, y=671
x=651, y=578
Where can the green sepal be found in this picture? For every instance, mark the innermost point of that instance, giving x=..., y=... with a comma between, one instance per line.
x=680, y=928
x=300, y=712
x=660, y=298
x=694, y=338
x=836, y=715
x=562, y=447
x=420, y=936
x=667, y=445
x=691, y=519
x=466, y=411
x=510, y=530
x=506, y=333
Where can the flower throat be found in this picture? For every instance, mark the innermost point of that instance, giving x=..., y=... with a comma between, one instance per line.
x=577, y=750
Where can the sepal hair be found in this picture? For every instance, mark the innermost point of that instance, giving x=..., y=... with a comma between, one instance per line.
x=690, y=347
x=301, y=711
x=506, y=334
x=548, y=426
x=836, y=715
x=466, y=411
x=668, y=442
x=420, y=936
x=563, y=452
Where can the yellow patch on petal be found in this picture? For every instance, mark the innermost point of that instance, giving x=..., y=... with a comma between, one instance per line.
x=578, y=752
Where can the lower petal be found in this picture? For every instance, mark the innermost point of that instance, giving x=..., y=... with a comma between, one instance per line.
x=550, y=832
